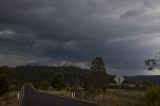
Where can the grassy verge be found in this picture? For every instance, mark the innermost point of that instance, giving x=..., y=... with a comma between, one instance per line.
x=9, y=99
x=121, y=98
x=113, y=97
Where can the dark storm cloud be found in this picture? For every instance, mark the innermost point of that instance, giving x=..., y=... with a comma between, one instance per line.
x=123, y=32
x=133, y=13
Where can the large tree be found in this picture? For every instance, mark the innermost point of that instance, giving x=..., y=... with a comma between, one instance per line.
x=97, y=78
x=96, y=81
x=98, y=64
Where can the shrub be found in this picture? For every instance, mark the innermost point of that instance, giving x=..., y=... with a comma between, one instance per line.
x=45, y=84
x=3, y=85
x=58, y=82
x=152, y=96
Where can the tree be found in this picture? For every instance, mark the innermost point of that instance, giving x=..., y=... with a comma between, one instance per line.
x=97, y=78
x=96, y=81
x=153, y=64
x=98, y=64
x=58, y=81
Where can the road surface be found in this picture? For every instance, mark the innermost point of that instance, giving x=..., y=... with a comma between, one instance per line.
x=33, y=98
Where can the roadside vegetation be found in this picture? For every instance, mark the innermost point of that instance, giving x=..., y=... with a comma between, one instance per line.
x=10, y=99
x=114, y=97
x=93, y=85
x=96, y=89
x=9, y=87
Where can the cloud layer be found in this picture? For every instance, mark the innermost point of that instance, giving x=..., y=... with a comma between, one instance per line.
x=123, y=32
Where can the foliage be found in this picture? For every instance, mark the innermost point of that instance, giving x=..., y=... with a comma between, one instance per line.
x=98, y=65
x=37, y=73
x=78, y=92
x=58, y=81
x=8, y=80
x=96, y=81
x=44, y=84
x=152, y=96
x=153, y=63
x=4, y=87
x=37, y=84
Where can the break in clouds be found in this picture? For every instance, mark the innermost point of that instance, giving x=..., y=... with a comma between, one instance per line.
x=73, y=32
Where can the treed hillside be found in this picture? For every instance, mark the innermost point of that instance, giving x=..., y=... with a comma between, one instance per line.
x=37, y=73
x=71, y=74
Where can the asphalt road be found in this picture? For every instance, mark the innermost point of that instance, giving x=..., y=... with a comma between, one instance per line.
x=33, y=98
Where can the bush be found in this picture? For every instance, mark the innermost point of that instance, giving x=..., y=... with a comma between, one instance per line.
x=58, y=82
x=44, y=84
x=37, y=85
x=152, y=96
x=4, y=87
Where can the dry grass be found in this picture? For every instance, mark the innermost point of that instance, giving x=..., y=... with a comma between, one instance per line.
x=9, y=99
x=121, y=98
x=113, y=97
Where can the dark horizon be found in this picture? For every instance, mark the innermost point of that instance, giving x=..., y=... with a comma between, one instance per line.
x=59, y=66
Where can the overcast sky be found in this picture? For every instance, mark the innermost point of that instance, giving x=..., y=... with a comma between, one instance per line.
x=74, y=32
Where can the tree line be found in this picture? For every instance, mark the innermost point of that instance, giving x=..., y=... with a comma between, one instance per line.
x=43, y=77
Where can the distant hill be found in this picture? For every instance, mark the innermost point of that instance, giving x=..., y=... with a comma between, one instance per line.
x=29, y=73
x=145, y=79
x=72, y=73
x=38, y=73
